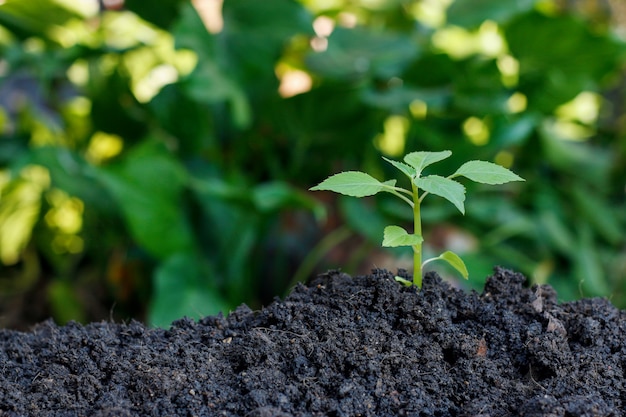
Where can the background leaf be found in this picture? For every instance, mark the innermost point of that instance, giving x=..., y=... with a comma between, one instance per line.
x=183, y=290
x=148, y=186
x=474, y=12
x=422, y=159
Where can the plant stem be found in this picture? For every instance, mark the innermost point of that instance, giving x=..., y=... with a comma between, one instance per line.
x=417, y=230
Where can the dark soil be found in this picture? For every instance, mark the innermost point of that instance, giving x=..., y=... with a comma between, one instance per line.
x=341, y=346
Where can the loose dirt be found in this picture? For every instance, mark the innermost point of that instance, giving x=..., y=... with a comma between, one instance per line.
x=340, y=346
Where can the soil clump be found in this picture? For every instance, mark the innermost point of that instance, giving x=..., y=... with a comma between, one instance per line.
x=339, y=346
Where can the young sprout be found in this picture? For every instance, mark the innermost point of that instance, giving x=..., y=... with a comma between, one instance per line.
x=360, y=184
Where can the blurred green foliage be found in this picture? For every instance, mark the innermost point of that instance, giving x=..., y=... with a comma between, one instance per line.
x=154, y=159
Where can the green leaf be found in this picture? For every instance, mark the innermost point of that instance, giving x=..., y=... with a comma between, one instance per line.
x=597, y=212
x=20, y=208
x=65, y=302
x=360, y=52
x=153, y=207
x=408, y=170
x=183, y=287
x=486, y=173
x=275, y=196
x=36, y=17
x=449, y=189
x=403, y=281
x=551, y=76
x=363, y=218
x=456, y=262
x=420, y=160
x=470, y=13
x=395, y=236
x=353, y=183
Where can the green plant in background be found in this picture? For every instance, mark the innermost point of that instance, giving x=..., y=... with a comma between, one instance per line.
x=360, y=184
x=98, y=106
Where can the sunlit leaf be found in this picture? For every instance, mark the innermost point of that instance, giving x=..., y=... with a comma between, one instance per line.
x=65, y=302
x=486, y=173
x=20, y=207
x=363, y=218
x=395, y=236
x=358, y=52
x=420, y=160
x=449, y=189
x=353, y=183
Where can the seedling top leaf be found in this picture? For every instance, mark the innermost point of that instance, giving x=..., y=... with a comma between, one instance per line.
x=360, y=184
x=420, y=160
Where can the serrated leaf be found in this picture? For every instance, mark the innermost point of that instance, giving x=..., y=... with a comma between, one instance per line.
x=486, y=173
x=420, y=160
x=353, y=183
x=408, y=170
x=455, y=262
x=395, y=236
x=449, y=189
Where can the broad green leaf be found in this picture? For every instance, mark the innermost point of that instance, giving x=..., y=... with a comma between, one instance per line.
x=162, y=13
x=551, y=76
x=20, y=208
x=395, y=236
x=36, y=17
x=277, y=195
x=152, y=207
x=486, y=173
x=358, y=52
x=449, y=189
x=556, y=232
x=408, y=170
x=420, y=160
x=182, y=287
x=456, y=262
x=353, y=183
x=588, y=265
x=470, y=13
x=597, y=212
x=65, y=302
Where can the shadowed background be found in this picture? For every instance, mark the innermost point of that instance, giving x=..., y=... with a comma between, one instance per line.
x=155, y=160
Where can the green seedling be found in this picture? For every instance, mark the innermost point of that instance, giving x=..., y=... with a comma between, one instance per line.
x=360, y=184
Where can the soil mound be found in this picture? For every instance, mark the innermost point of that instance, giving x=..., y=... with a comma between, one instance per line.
x=340, y=346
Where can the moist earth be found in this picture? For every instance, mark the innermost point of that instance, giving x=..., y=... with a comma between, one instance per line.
x=339, y=346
